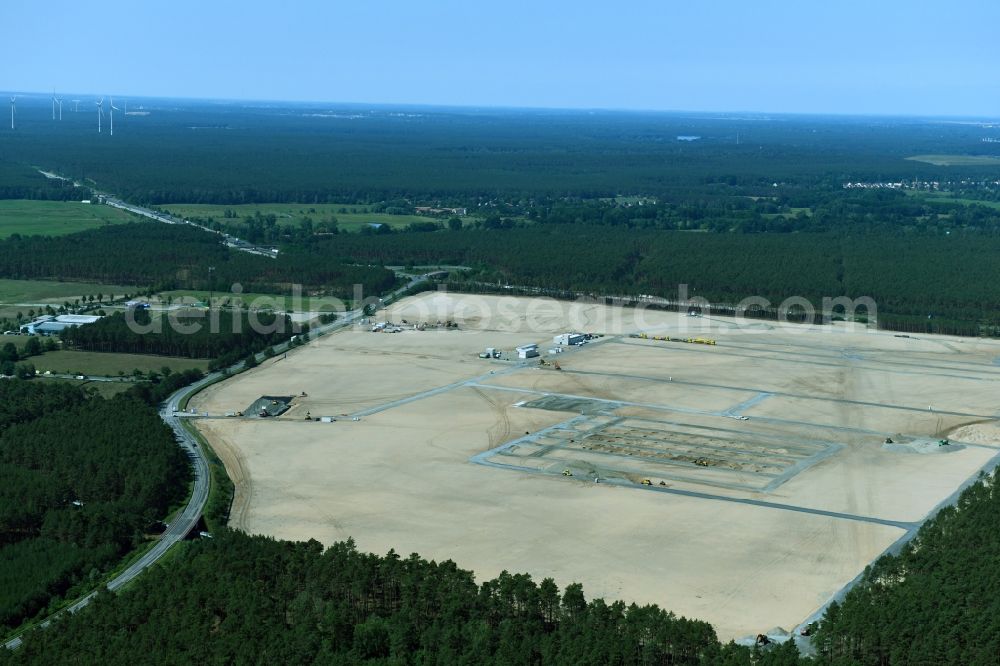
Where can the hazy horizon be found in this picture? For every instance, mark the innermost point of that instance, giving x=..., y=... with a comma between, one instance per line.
x=888, y=59
x=43, y=98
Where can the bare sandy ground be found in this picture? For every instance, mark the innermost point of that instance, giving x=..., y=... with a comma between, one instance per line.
x=400, y=481
x=402, y=478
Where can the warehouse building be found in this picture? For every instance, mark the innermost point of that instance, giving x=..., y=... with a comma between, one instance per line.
x=49, y=325
x=569, y=339
x=527, y=351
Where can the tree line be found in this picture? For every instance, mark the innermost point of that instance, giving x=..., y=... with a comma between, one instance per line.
x=243, y=599
x=791, y=209
x=941, y=283
x=944, y=280
x=10, y=355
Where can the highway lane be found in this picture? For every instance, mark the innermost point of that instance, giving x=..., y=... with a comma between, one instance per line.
x=231, y=241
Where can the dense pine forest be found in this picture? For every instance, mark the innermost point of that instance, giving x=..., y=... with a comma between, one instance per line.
x=242, y=599
x=175, y=257
x=365, y=154
x=19, y=181
x=224, y=336
x=82, y=480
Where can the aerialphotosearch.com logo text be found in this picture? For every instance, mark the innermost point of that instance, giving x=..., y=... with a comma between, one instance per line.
x=233, y=312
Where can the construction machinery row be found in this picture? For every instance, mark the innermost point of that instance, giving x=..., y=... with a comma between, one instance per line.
x=667, y=338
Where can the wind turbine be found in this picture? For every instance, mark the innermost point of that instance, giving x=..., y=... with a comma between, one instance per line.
x=100, y=114
x=76, y=105
x=59, y=102
x=112, y=111
x=12, y=109
x=53, y=105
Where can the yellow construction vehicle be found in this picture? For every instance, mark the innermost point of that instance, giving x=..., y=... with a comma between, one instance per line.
x=647, y=482
x=566, y=472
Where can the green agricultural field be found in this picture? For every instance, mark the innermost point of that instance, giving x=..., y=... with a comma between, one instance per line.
x=944, y=197
x=51, y=291
x=956, y=160
x=55, y=218
x=19, y=341
x=26, y=295
x=354, y=219
x=104, y=389
x=108, y=364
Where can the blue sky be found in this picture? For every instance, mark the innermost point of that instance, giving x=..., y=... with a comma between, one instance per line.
x=831, y=56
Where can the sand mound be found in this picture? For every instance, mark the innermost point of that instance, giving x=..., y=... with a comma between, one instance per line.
x=987, y=434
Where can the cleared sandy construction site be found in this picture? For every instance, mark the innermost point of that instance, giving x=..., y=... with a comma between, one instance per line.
x=743, y=483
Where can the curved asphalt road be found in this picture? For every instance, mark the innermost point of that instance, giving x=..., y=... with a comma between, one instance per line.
x=186, y=520
x=182, y=524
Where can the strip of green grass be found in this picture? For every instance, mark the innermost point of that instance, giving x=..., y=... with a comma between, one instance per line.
x=110, y=364
x=274, y=302
x=956, y=160
x=354, y=219
x=50, y=291
x=19, y=341
x=221, y=488
x=944, y=197
x=55, y=218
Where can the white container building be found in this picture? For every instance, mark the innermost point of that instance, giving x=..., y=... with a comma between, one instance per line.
x=569, y=339
x=527, y=351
